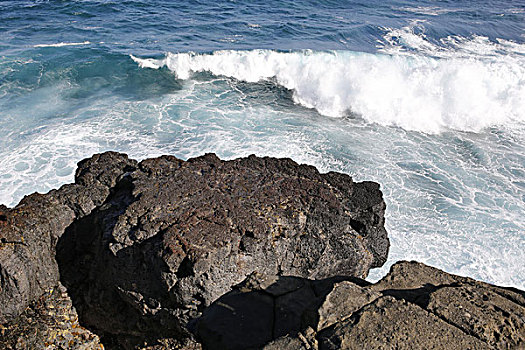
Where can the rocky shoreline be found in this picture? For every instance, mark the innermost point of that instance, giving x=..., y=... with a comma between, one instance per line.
x=244, y=254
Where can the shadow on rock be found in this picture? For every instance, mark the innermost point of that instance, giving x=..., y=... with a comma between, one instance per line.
x=174, y=236
x=263, y=308
x=89, y=270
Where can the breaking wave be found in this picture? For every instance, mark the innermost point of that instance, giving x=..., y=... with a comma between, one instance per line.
x=460, y=84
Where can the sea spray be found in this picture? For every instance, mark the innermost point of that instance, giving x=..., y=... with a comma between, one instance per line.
x=414, y=92
x=424, y=98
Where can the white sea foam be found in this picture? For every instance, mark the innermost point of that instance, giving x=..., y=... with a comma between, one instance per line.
x=411, y=40
x=63, y=44
x=454, y=200
x=49, y=159
x=470, y=86
x=428, y=10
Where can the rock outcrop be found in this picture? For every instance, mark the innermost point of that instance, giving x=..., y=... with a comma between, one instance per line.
x=29, y=232
x=414, y=307
x=144, y=247
x=50, y=322
x=265, y=307
x=175, y=235
x=494, y=315
x=211, y=254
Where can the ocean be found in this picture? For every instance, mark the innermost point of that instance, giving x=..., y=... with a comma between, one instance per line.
x=425, y=97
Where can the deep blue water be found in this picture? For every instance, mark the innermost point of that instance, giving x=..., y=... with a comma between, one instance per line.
x=425, y=97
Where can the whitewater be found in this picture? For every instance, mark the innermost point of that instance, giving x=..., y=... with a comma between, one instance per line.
x=427, y=100
x=413, y=92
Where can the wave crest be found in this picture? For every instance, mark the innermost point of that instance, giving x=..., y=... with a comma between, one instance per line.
x=415, y=92
x=63, y=44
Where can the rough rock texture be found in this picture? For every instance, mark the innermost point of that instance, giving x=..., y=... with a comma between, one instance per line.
x=175, y=235
x=492, y=314
x=144, y=247
x=156, y=254
x=50, y=323
x=29, y=232
x=263, y=308
x=396, y=324
x=414, y=307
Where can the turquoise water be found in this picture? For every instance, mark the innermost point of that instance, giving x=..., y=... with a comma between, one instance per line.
x=427, y=98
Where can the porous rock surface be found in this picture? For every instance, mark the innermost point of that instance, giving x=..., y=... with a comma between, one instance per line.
x=30, y=231
x=254, y=253
x=175, y=235
x=50, y=322
x=414, y=307
x=145, y=247
x=492, y=314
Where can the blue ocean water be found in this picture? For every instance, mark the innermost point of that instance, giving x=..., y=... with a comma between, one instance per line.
x=425, y=97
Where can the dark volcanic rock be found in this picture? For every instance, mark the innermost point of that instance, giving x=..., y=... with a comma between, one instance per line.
x=263, y=308
x=50, y=322
x=175, y=235
x=414, y=307
x=153, y=251
x=29, y=232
